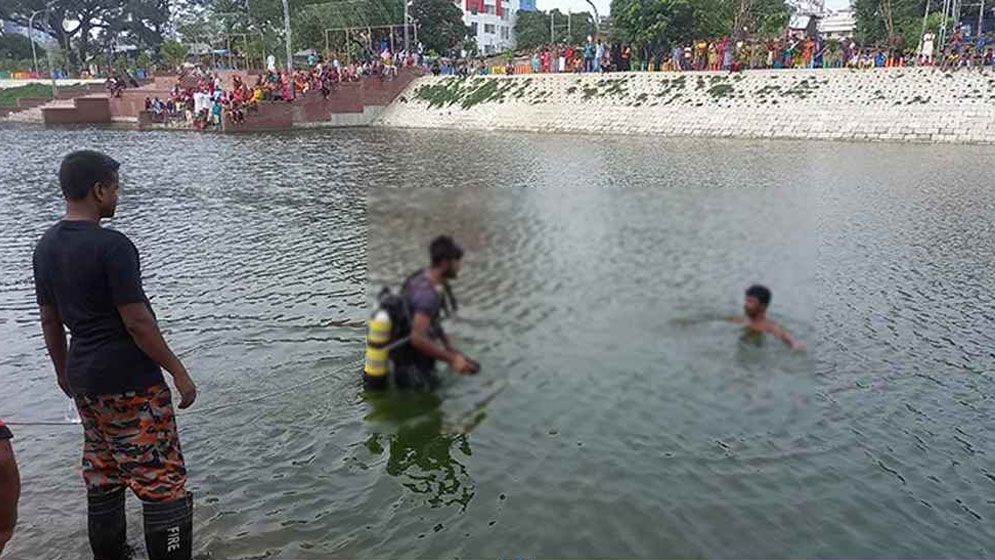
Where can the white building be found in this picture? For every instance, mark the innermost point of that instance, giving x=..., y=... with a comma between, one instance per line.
x=492, y=22
x=838, y=24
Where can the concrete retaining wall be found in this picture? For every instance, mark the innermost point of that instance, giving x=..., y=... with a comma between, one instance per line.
x=901, y=104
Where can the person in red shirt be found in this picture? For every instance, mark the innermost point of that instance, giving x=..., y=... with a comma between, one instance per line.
x=10, y=487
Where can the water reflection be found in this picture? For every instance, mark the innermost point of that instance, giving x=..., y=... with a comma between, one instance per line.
x=421, y=450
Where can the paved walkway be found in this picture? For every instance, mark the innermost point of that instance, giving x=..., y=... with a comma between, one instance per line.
x=4, y=84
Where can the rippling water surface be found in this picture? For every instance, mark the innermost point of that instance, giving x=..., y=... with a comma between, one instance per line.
x=617, y=414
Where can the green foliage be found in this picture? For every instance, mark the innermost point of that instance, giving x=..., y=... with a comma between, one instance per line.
x=905, y=22
x=532, y=28
x=143, y=61
x=468, y=92
x=174, y=53
x=73, y=22
x=14, y=46
x=656, y=24
x=440, y=24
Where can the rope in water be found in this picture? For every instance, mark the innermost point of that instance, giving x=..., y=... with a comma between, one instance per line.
x=233, y=404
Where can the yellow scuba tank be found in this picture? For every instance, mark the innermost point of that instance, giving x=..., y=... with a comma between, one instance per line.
x=376, y=366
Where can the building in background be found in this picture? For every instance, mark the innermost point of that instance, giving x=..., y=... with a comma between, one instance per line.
x=838, y=24
x=492, y=22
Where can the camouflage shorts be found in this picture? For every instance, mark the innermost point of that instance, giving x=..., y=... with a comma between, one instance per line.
x=130, y=439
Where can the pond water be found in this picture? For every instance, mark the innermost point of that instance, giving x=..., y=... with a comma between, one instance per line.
x=617, y=414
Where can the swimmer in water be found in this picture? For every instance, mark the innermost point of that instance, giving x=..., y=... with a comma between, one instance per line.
x=755, y=318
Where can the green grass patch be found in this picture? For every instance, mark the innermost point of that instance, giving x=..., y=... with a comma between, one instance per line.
x=9, y=96
x=719, y=91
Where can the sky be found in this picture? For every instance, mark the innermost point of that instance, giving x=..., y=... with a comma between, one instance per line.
x=603, y=5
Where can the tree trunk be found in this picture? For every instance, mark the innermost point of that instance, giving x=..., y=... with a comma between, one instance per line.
x=84, y=40
x=742, y=16
x=889, y=21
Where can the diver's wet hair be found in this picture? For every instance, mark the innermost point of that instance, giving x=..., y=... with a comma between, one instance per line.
x=83, y=169
x=762, y=293
x=443, y=248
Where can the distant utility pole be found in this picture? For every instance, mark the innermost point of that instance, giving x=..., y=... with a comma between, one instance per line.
x=552, y=29
x=597, y=18
x=31, y=36
x=48, y=55
x=407, y=40
x=286, y=32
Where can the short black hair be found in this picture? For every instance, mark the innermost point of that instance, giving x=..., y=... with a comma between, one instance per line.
x=82, y=169
x=762, y=293
x=443, y=248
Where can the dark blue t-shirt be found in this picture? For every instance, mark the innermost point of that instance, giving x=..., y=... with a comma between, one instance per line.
x=86, y=271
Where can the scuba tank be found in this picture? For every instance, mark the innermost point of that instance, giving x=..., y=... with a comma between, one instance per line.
x=389, y=330
x=376, y=368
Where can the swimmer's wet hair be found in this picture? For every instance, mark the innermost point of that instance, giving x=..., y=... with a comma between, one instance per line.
x=83, y=169
x=443, y=248
x=762, y=293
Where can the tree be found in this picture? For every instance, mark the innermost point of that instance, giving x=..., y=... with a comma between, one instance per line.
x=889, y=22
x=15, y=47
x=655, y=24
x=174, y=53
x=531, y=29
x=140, y=21
x=440, y=24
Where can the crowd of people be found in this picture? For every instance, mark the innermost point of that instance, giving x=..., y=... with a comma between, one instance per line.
x=728, y=54
x=593, y=56
x=200, y=99
x=807, y=52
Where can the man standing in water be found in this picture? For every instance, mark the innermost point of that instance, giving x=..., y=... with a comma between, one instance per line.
x=427, y=294
x=10, y=487
x=755, y=307
x=89, y=279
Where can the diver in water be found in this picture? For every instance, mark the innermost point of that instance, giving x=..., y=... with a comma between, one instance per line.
x=427, y=294
x=755, y=319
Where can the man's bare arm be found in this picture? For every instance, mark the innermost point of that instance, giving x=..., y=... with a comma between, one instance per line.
x=10, y=492
x=55, y=342
x=784, y=335
x=421, y=341
x=424, y=344
x=144, y=330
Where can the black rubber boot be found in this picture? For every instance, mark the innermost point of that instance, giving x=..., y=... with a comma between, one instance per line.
x=169, y=529
x=107, y=526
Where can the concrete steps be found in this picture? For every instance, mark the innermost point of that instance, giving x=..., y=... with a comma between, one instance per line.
x=33, y=112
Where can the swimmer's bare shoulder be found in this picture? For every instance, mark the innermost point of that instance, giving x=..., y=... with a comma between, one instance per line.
x=770, y=327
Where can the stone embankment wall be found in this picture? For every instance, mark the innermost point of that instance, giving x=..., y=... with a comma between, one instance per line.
x=899, y=104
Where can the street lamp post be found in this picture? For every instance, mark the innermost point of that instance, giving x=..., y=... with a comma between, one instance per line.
x=407, y=40
x=286, y=33
x=31, y=37
x=597, y=18
x=48, y=56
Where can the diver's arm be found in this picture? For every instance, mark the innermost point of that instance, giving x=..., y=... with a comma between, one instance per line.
x=421, y=341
